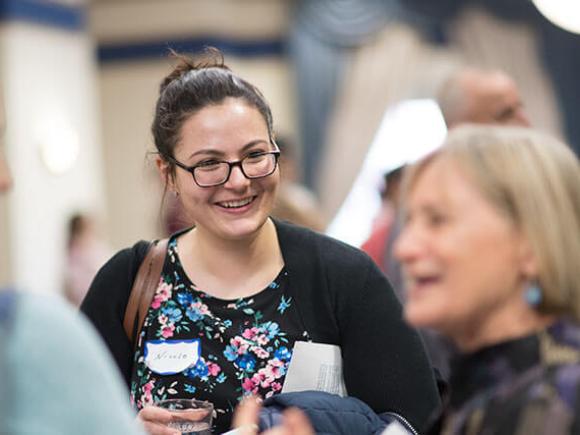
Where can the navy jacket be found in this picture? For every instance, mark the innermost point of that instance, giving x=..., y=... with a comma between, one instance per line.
x=330, y=414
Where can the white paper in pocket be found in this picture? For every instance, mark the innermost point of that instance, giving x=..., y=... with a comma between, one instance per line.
x=315, y=366
x=167, y=357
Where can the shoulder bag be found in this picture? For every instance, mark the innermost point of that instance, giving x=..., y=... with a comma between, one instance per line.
x=143, y=290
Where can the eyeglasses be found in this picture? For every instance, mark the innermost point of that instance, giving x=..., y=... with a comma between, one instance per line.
x=216, y=172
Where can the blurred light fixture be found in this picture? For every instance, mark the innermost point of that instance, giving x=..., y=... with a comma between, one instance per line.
x=59, y=146
x=563, y=13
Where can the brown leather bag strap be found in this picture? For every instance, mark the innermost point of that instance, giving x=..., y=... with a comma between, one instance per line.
x=144, y=286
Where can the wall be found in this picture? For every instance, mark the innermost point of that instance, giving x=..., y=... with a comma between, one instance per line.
x=48, y=74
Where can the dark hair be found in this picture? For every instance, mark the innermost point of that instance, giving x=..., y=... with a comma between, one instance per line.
x=194, y=84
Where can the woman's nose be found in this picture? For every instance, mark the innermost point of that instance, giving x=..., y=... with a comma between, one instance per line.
x=407, y=245
x=237, y=178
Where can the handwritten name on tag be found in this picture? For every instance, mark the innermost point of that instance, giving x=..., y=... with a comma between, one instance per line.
x=167, y=357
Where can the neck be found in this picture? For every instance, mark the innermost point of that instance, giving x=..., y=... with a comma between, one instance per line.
x=241, y=265
x=509, y=324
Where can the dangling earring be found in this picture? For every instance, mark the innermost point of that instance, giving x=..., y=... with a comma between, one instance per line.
x=533, y=294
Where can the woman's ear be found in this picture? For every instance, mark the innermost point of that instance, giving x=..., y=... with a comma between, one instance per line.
x=165, y=171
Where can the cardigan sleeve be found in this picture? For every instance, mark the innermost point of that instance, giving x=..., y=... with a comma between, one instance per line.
x=106, y=302
x=384, y=361
x=346, y=300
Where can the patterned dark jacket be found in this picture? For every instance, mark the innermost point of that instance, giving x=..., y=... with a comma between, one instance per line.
x=528, y=386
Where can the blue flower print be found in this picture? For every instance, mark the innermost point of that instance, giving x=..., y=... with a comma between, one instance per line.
x=173, y=314
x=283, y=354
x=189, y=388
x=284, y=304
x=272, y=329
x=199, y=370
x=231, y=353
x=193, y=313
x=247, y=363
x=185, y=299
x=221, y=378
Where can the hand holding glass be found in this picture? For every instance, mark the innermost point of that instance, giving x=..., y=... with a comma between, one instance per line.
x=190, y=416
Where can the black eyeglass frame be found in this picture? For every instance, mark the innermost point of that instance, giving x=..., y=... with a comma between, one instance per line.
x=231, y=165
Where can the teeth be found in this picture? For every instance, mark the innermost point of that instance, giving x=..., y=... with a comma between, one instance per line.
x=236, y=204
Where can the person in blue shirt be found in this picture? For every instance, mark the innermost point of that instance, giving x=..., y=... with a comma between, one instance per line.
x=56, y=377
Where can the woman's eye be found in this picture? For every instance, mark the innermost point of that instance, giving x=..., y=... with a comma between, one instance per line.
x=206, y=163
x=437, y=219
x=255, y=157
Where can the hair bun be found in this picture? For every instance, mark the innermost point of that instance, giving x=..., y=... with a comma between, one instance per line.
x=211, y=57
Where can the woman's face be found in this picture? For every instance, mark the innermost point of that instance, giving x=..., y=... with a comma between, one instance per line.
x=463, y=260
x=229, y=131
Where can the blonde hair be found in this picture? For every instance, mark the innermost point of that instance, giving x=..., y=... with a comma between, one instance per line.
x=534, y=180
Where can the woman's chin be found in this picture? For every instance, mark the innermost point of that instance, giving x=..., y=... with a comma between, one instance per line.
x=240, y=229
x=420, y=317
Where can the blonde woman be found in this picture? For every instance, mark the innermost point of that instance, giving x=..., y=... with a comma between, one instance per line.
x=490, y=250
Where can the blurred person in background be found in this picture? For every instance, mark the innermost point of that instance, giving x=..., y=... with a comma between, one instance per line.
x=490, y=249
x=86, y=253
x=240, y=287
x=375, y=245
x=295, y=203
x=5, y=177
x=469, y=95
x=56, y=377
x=478, y=96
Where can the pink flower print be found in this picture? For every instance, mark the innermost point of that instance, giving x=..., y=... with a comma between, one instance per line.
x=276, y=386
x=213, y=369
x=261, y=379
x=163, y=319
x=167, y=331
x=250, y=333
x=260, y=352
x=258, y=378
x=248, y=385
x=240, y=344
x=201, y=308
x=262, y=339
x=147, y=396
x=162, y=294
x=276, y=362
x=272, y=372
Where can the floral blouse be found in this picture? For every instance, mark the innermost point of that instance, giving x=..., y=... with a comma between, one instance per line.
x=244, y=345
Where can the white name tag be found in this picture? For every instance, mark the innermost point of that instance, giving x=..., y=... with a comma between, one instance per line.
x=167, y=357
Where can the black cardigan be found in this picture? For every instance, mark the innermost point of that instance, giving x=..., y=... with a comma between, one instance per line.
x=343, y=299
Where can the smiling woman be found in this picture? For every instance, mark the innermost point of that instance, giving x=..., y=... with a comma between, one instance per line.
x=238, y=290
x=490, y=250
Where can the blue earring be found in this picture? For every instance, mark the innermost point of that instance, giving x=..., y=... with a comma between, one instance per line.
x=533, y=294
